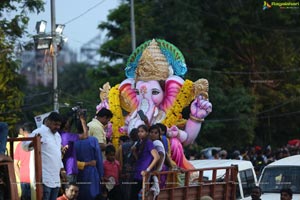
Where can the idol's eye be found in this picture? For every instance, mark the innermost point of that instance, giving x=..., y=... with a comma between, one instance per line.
x=155, y=92
x=137, y=92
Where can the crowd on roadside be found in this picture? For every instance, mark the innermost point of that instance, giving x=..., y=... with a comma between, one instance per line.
x=85, y=165
x=258, y=155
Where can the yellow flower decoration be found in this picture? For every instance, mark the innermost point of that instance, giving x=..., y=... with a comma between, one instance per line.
x=183, y=99
x=118, y=118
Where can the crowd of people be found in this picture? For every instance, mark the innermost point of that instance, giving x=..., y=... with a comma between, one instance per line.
x=285, y=193
x=85, y=165
x=259, y=156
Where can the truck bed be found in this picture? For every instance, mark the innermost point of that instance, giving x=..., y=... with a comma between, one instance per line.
x=191, y=184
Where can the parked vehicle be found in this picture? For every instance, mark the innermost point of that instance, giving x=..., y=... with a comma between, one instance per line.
x=246, y=176
x=191, y=184
x=216, y=178
x=284, y=173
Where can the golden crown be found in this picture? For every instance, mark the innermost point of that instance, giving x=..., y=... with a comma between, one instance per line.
x=153, y=64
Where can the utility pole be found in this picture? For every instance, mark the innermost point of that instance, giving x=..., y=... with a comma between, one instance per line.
x=133, y=41
x=54, y=60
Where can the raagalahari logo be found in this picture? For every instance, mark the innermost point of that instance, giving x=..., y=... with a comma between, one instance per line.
x=281, y=5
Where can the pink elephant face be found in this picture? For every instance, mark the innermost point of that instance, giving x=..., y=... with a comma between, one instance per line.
x=150, y=91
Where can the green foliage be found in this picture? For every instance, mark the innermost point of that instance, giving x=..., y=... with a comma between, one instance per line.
x=75, y=86
x=249, y=55
x=266, y=50
x=15, y=27
x=11, y=96
x=37, y=100
x=250, y=43
x=232, y=117
x=81, y=82
x=183, y=23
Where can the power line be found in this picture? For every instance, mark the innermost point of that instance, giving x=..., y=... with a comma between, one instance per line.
x=232, y=119
x=85, y=12
x=36, y=105
x=246, y=73
x=109, y=51
x=28, y=96
x=220, y=18
x=71, y=96
x=26, y=108
x=252, y=117
x=116, y=53
x=38, y=94
x=278, y=106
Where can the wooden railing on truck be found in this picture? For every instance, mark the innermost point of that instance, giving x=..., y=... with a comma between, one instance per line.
x=37, y=161
x=8, y=188
x=195, y=184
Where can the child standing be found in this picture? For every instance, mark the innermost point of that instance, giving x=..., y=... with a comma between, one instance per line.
x=112, y=171
x=127, y=162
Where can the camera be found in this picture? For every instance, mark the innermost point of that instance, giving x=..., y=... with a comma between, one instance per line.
x=75, y=108
x=78, y=110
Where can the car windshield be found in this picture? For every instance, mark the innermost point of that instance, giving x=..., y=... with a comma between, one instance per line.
x=275, y=178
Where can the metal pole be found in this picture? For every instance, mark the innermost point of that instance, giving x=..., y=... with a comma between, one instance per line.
x=54, y=61
x=133, y=41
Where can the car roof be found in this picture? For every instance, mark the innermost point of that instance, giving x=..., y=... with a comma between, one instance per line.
x=210, y=163
x=288, y=161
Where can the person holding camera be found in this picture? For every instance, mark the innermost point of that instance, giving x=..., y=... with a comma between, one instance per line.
x=67, y=141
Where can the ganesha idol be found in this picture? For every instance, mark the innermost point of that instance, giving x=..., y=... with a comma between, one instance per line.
x=155, y=92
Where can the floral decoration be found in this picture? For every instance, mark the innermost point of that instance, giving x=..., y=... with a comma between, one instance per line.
x=118, y=118
x=184, y=97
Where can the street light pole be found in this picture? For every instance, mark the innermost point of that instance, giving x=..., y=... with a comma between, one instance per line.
x=54, y=60
x=133, y=40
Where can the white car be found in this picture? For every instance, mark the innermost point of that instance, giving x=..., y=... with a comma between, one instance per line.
x=246, y=175
x=284, y=173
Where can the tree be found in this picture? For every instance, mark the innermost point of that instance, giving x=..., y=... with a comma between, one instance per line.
x=258, y=50
x=15, y=27
x=250, y=57
x=81, y=82
x=10, y=81
x=10, y=95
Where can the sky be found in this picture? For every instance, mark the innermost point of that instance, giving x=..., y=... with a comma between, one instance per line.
x=81, y=19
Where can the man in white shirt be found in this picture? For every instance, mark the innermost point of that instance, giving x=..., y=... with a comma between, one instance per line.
x=52, y=164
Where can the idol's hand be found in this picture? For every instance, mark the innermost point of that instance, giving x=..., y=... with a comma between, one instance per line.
x=200, y=108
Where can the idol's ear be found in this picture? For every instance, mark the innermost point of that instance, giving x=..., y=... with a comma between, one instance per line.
x=128, y=98
x=172, y=87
